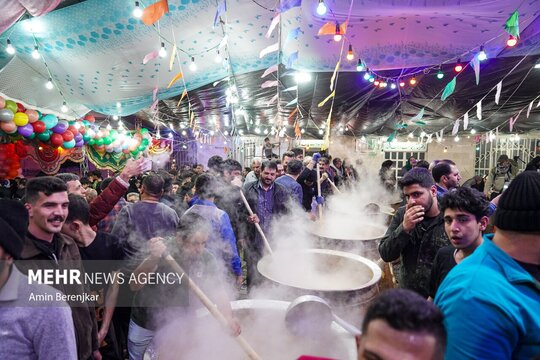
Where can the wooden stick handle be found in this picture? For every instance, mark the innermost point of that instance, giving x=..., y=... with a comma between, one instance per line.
x=319, y=206
x=257, y=226
x=212, y=308
x=334, y=186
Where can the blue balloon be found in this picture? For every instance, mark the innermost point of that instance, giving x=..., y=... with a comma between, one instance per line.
x=68, y=144
x=50, y=121
x=60, y=127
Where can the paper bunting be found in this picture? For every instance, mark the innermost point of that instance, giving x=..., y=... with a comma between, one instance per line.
x=497, y=132
x=175, y=79
x=272, y=100
x=537, y=105
x=292, y=113
x=288, y=4
x=291, y=60
x=512, y=24
x=154, y=12
x=334, y=75
x=292, y=102
x=268, y=50
x=154, y=105
x=439, y=135
x=498, y=94
x=297, y=131
x=512, y=121
x=529, y=108
x=455, y=129
x=150, y=56
x=273, y=25
x=420, y=123
x=391, y=137
x=269, y=83
x=418, y=116
x=222, y=7
x=329, y=28
x=479, y=110
x=476, y=66
x=293, y=34
x=292, y=88
x=466, y=121
x=332, y=94
x=191, y=118
x=270, y=70
x=449, y=89
x=154, y=93
x=173, y=56
x=223, y=42
x=217, y=82
x=401, y=126
x=184, y=93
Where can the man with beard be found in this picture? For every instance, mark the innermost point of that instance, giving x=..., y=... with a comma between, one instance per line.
x=267, y=200
x=30, y=330
x=465, y=218
x=416, y=232
x=46, y=248
x=500, y=176
x=255, y=172
x=491, y=300
x=447, y=177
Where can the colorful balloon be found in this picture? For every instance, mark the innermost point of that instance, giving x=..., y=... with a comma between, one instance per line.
x=91, y=142
x=20, y=119
x=11, y=105
x=26, y=130
x=33, y=115
x=90, y=118
x=9, y=127
x=50, y=121
x=61, y=127
x=38, y=126
x=45, y=135
x=2, y=102
x=68, y=144
x=73, y=130
x=56, y=140
x=79, y=144
x=6, y=115
x=67, y=136
x=77, y=137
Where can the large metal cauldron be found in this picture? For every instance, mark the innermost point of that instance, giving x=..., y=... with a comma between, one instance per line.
x=341, y=278
x=263, y=326
x=359, y=235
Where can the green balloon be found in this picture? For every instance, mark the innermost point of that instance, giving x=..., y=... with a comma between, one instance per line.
x=99, y=142
x=32, y=136
x=141, y=148
x=107, y=140
x=86, y=137
x=135, y=153
x=44, y=136
x=11, y=105
x=143, y=130
x=113, y=134
x=91, y=142
x=145, y=142
x=40, y=115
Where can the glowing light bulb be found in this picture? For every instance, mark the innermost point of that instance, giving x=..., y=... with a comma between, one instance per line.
x=402, y=83
x=137, y=11
x=456, y=139
x=337, y=36
x=115, y=117
x=366, y=76
x=393, y=86
x=482, y=54
x=321, y=8
x=226, y=133
x=321, y=131
x=118, y=105
x=64, y=108
x=371, y=79
x=512, y=41
x=360, y=66
x=423, y=134
x=458, y=66
x=49, y=84
x=265, y=131
x=411, y=135
x=303, y=131
x=350, y=55
x=440, y=75
x=9, y=48
x=193, y=66
x=184, y=133
x=218, y=58
x=473, y=131
x=412, y=81
x=162, y=52
x=108, y=127
x=35, y=53
x=257, y=130
x=376, y=82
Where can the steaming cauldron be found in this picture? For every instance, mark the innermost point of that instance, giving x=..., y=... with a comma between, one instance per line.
x=341, y=278
x=263, y=326
x=357, y=235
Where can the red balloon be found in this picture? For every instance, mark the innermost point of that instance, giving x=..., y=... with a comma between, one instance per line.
x=82, y=130
x=90, y=118
x=57, y=140
x=39, y=126
x=20, y=107
x=67, y=136
x=73, y=130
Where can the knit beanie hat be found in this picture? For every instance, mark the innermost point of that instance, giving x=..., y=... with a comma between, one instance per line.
x=519, y=205
x=13, y=226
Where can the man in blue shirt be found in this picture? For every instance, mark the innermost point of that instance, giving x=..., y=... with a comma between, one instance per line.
x=447, y=177
x=221, y=242
x=491, y=300
x=294, y=168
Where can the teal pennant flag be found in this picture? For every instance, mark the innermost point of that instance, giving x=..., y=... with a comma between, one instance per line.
x=449, y=89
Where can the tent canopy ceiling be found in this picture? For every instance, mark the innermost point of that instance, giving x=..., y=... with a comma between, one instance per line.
x=94, y=53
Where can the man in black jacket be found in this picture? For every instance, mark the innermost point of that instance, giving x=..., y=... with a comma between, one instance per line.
x=416, y=232
x=267, y=200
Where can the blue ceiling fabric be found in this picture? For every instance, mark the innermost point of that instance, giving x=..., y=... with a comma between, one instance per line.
x=366, y=109
x=95, y=49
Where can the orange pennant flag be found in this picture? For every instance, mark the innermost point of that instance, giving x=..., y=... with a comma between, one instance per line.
x=175, y=79
x=154, y=12
x=297, y=131
x=292, y=113
x=184, y=93
x=329, y=28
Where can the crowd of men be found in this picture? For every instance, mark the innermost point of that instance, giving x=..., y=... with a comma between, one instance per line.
x=455, y=279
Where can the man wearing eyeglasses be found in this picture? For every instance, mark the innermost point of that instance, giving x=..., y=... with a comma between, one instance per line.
x=416, y=232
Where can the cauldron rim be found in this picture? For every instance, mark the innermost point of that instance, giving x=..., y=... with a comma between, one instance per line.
x=375, y=270
x=315, y=231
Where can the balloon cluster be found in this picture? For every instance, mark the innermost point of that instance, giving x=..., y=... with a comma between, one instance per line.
x=10, y=166
x=18, y=122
